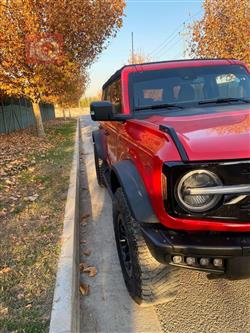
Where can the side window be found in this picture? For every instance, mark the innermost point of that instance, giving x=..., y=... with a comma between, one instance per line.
x=105, y=95
x=112, y=93
x=115, y=95
x=229, y=85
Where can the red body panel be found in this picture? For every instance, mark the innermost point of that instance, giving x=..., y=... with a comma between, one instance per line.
x=221, y=136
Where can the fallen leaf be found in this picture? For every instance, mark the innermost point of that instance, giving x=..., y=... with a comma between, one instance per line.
x=87, y=252
x=32, y=198
x=4, y=311
x=84, y=289
x=85, y=216
x=13, y=198
x=91, y=270
x=5, y=270
x=82, y=266
x=28, y=306
x=3, y=213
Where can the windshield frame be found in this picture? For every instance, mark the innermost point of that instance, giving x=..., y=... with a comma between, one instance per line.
x=182, y=104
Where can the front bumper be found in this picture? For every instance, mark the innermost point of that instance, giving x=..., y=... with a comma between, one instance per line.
x=232, y=248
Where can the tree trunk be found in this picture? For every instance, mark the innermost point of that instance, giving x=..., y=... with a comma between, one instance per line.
x=38, y=119
x=64, y=114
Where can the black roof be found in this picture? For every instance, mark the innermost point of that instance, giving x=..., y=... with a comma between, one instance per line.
x=117, y=74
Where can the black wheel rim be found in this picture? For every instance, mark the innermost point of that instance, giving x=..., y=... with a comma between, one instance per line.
x=124, y=246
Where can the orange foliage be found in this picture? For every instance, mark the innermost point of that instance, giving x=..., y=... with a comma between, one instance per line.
x=84, y=25
x=223, y=31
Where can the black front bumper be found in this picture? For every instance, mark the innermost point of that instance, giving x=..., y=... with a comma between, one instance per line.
x=232, y=248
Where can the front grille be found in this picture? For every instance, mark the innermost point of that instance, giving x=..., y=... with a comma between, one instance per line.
x=230, y=172
x=245, y=207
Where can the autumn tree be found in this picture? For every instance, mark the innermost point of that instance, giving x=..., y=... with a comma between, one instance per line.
x=138, y=57
x=74, y=89
x=223, y=31
x=84, y=25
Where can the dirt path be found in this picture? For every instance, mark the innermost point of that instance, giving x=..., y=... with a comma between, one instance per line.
x=202, y=305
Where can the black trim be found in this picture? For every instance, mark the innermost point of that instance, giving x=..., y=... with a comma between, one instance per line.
x=233, y=248
x=172, y=133
x=137, y=197
x=99, y=142
x=230, y=172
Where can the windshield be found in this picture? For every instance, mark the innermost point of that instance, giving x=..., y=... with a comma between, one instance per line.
x=189, y=87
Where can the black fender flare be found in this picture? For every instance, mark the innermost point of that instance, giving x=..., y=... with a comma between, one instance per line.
x=98, y=140
x=135, y=192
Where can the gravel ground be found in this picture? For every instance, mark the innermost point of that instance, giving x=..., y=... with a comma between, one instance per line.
x=207, y=306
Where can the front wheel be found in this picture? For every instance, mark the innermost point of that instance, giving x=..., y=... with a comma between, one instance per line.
x=148, y=281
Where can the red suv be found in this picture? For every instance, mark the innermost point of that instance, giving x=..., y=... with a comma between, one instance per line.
x=173, y=149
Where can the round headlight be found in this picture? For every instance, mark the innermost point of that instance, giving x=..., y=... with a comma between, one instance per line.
x=197, y=202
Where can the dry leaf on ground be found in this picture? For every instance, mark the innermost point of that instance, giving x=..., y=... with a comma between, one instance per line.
x=87, y=252
x=85, y=216
x=5, y=270
x=84, y=289
x=3, y=311
x=91, y=270
x=82, y=266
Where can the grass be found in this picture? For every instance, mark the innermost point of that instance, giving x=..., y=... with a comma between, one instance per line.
x=32, y=199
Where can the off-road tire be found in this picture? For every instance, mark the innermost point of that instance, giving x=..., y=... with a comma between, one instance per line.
x=99, y=168
x=148, y=281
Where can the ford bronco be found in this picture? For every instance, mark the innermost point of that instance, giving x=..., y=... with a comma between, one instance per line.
x=173, y=149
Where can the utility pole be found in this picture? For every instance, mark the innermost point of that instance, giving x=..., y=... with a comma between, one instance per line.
x=132, y=50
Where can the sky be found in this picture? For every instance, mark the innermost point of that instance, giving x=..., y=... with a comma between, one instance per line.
x=156, y=26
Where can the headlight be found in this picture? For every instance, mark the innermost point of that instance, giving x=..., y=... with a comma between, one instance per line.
x=197, y=202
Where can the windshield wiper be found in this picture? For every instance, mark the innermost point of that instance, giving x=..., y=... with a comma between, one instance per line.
x=158, y=106
x=224, y=100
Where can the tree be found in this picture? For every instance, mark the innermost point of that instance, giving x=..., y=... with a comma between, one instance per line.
x=223, y=31
x=74, y=88
x=84, y=25
x=138, y=57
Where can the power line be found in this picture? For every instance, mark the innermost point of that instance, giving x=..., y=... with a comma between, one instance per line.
x=170, y=45
x=166, y=40
x=170, y=38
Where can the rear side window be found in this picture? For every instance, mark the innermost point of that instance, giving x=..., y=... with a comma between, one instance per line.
x=112, y=93
x=230, y=85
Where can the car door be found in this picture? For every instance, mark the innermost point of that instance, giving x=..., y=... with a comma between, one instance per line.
x=113, y=94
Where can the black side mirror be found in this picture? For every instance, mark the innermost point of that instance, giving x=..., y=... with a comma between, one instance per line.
x=103, y=111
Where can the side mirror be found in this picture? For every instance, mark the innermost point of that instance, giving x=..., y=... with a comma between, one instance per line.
x=103, y=111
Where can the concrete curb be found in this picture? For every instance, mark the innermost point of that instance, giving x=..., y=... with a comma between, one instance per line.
x=65, y=309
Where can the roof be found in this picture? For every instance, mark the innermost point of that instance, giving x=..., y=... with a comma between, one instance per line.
x=117, y=74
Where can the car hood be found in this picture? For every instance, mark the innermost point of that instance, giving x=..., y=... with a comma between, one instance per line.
x=211, y=136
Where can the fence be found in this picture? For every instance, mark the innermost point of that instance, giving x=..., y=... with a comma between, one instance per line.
x=17, y=114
